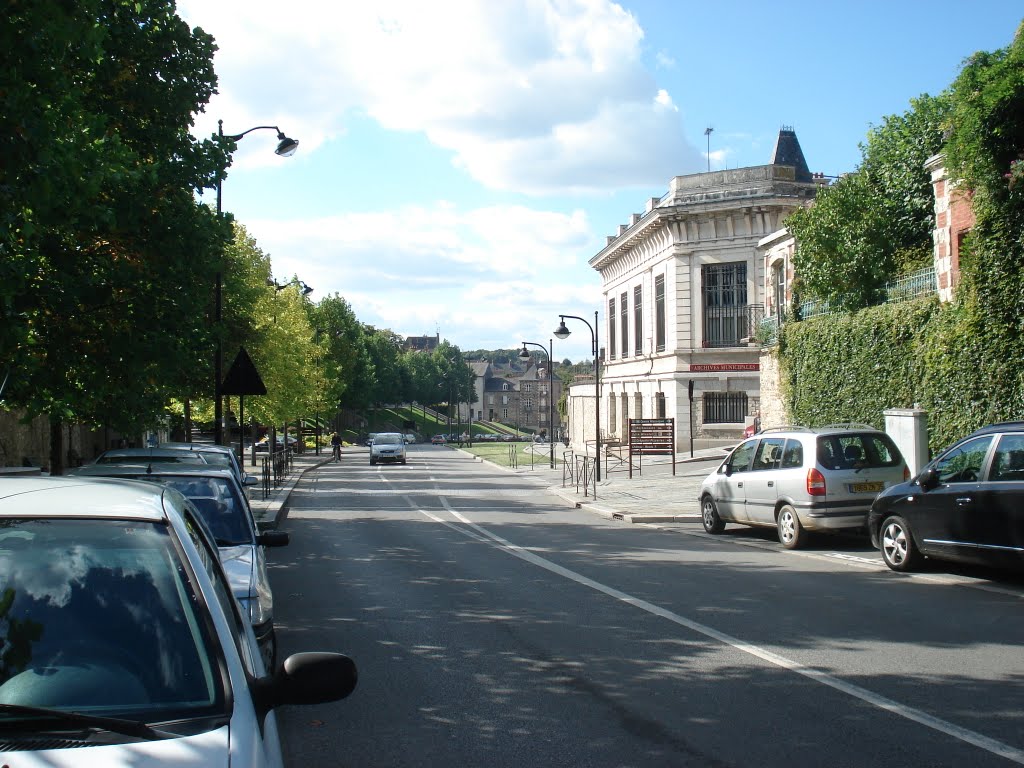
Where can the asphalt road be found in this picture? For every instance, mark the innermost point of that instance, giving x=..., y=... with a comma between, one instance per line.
x=495, y=626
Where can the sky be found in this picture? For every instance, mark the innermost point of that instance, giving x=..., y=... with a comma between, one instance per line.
x=461, y=161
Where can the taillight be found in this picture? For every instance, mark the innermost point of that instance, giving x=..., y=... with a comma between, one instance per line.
x=906, y=473
x=815, y=482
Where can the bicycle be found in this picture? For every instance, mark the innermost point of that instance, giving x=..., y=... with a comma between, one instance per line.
x=336, y=452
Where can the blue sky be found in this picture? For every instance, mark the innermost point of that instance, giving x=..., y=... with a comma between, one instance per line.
x=460, y=162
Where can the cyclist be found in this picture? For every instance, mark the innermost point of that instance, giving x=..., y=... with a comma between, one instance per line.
x=336, y=446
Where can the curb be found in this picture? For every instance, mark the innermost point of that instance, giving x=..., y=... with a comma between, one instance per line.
x=270, y=515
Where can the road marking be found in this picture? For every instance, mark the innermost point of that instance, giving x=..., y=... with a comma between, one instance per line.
x=915, y=715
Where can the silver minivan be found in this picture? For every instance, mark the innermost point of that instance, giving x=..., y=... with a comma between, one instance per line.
x=798, y=479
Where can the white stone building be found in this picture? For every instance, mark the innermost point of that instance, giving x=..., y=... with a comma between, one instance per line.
x=683, y=293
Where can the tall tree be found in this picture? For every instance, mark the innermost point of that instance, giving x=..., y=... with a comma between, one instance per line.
x=107, y=260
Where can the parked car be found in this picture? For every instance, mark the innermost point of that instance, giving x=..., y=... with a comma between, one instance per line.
x=221, y=455
x=263, y=444
x=136, y=455
x=128, y=642
x=798, y=479
x=438, y=440
x=220, y=501
x=967, y=504
x=387, y=446
x=410, y=438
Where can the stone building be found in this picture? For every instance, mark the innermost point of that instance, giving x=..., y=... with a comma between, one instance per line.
x=683, y=294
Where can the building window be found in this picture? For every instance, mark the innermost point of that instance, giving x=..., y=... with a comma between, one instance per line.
x=490, y=399
x=624, y=322
x=611, y=413
x=638, y=406
x=659, y=405
x=504, y=413
x=528, y=403
x=527, y=386
x=725, y=407
x=505, y=387
x=659, y=313
x=611, y=329
x=504, y=399
x=638, y=324
x=725, y=304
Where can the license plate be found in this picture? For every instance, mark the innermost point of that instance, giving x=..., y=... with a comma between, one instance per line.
x=866, y=487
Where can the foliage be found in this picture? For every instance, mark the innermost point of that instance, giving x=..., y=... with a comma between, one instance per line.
x=106, y=260
x=876, y=222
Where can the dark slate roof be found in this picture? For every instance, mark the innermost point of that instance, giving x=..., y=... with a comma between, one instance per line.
x=788, y=152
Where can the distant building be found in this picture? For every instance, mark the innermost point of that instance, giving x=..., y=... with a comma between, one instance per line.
x=422, y=343
x=517, y=396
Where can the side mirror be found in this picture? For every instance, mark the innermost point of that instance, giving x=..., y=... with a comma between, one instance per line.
x=248, y=479
x=726, y=469
x=307, y=678
x=928, y=479
x=273, y=539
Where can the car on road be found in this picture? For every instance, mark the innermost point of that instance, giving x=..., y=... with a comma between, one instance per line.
x=438, y=440
x=220, y=501
x=798, y=479
x=388, y=446
x=122, y=636
x=967, y=504
x=263, y=444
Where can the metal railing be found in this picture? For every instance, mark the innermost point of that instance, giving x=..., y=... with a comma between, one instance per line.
x=275, y=469
x=579, y=470
x=731, y=326
x=903, y=288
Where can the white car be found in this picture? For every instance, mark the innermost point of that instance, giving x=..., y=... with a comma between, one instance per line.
x=797, y=479
x=220, y=501
x=388, y=446
x=122, y=636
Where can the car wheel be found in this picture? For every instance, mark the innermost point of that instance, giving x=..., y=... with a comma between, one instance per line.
x=897, y=545
x=713, y=523
x=791, y=533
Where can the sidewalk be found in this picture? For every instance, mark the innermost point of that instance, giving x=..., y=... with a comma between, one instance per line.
x=653, y=495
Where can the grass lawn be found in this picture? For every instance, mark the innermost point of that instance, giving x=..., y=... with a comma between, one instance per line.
x=498, y=453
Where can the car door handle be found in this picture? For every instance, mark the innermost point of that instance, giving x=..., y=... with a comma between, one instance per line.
x=771, y=483
x=964, y=499
x=739, y=485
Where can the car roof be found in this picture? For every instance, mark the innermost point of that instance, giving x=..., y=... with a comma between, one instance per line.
x=828, y=429
x=136, y=468
x=198, y=447
x=66, y=497
x=1002, y=426
x=161, y=451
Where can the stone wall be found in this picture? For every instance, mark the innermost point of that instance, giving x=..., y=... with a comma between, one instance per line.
x=774, y=412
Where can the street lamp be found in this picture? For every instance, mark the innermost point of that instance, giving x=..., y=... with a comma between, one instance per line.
x=563, y=333
x=285, y=148
x=525, y=355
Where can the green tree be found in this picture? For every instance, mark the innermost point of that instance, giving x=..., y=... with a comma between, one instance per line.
x=106, y=259
x=876, y=222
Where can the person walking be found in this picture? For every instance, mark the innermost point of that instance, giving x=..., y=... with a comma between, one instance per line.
x=336, y=446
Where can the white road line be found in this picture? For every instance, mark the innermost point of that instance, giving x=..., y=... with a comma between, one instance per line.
x=962, y=734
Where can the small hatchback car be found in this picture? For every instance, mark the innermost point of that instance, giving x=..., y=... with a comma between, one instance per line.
x=120, y=634
x=967, y=504
x=798, y=479
x=387, y=446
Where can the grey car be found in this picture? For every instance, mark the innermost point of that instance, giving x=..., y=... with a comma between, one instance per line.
x=220, y=501
x=798, y=479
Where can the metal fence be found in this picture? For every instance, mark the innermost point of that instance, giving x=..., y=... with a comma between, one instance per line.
x=904, y=288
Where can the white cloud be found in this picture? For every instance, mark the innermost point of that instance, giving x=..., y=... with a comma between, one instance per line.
x=539, y=96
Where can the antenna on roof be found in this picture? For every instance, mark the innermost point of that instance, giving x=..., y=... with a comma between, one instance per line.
x=707, y=132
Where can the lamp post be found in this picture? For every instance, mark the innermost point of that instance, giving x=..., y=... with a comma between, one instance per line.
x=562, y=332
x=285, y=148
x=524, y=355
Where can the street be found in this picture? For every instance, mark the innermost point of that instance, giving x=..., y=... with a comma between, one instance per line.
x=495, y=625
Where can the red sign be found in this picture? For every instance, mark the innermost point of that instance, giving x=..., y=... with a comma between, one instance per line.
x=715, y=367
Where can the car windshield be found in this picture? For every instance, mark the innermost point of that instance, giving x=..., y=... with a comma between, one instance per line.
x=165, y=457
x=219, y=504
x=388, y=440
x=99, y=617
